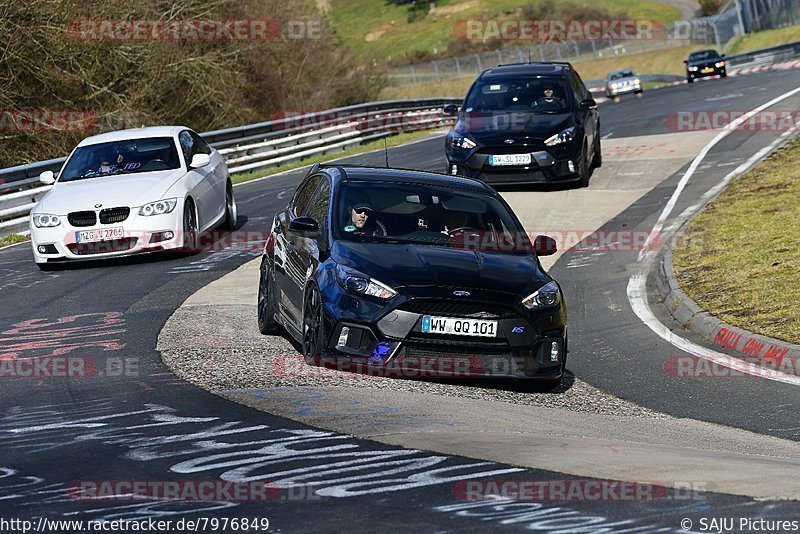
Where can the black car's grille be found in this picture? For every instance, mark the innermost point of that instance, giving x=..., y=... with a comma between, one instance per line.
x=473, y=310
x=449, y=341
x=82, y=218
x=102, y=247
x=511, y=149
x=463, y=362
x=114, y=215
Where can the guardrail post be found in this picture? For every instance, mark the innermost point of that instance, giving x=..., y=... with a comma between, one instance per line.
x=478, y=58
x=458, y=67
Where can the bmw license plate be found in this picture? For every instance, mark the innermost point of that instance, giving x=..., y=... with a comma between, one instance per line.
x=458, y=327
x=99, y=234
x=497, y=160
x=707, y=70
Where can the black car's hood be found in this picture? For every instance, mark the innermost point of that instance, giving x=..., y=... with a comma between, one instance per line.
x=496, y=128
x=423, y=265
x=705, y=62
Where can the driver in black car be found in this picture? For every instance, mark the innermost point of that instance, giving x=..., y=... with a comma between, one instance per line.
x=361, y=221
x=549, y=100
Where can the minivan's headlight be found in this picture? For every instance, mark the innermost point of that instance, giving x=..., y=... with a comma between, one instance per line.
x=159, y=207
x=45, y=220
x=462, y=141
x=360, y=283
x=544, y=297
x=561, y=137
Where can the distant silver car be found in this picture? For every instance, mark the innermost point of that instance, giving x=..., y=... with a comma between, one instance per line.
x=620, y=82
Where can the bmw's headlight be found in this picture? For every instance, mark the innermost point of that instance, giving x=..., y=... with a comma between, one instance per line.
x=45, y=220
x=462, y=141
x=544, y=297
x=693, y=68
x=561, y=137
x=614, y=85
x=637, y=81
x=360, y=283
x=159, y=207
x=720, y=64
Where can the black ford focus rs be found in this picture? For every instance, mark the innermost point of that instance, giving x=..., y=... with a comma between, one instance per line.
x=384, y=267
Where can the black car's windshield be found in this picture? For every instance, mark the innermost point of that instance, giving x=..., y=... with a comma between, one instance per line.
x=121, y=157
x=621, y=74
x=703, y=54
x=536, y=95
x=426, y=215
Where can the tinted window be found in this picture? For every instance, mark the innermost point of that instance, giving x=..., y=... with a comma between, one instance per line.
x=199, y=145
x=121, y=157
x=187, y=146
x=303, y=194
x=703, y=54
x=621, y=74
x=519, y=95
x=319, y=206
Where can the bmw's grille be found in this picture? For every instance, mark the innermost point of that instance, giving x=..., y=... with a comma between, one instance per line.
x=472, y=310
x=102, y=247
x=114, y=215
x=82, y=218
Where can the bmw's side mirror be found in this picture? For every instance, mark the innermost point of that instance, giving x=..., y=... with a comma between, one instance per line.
x=589, y=103
x=544, y=245
x=47, y=178
x=200, y=160
x=450, y=110
x=686, y=61
x=304, y=226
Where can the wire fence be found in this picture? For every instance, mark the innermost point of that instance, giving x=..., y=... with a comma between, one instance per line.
x=735, y=18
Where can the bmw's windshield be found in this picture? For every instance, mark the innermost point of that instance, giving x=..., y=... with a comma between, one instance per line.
x=703, y=54
x=426, y=215
x=121, y=157
x=621, y=74
x=535, y=95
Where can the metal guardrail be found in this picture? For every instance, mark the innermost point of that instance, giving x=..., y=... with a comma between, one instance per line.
x=766, y=55
x=255, y=147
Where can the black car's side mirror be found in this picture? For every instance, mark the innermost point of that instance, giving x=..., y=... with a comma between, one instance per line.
x=589, y=103
x=304, y=226
x=450, y=109
x=686, y=61
x=544, y=245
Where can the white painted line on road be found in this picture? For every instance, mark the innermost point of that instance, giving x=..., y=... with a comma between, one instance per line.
x=723, y=97
x=637, y=291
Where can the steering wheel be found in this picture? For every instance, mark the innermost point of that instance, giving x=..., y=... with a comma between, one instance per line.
x=380, y=230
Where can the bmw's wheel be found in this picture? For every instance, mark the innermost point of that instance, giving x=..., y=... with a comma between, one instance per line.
x=231, y=213
x=312, y=327
x=597, y=156
x=266, y=300
x=189, y=229
x=689, y=80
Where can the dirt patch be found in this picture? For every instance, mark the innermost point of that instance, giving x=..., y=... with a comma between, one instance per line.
x=455, y=8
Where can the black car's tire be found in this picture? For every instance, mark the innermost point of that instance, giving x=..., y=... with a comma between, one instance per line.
x=313, y=327
x=266, y=300
x=584, y=172
x=689, y=80
x=189, y=229
x=597, y=156
x=723, y=75
x=231, y=213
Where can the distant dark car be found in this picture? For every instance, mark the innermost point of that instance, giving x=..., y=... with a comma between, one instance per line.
x=376, y=266
x=704, y=63
x=525, y=123
x=621, y=82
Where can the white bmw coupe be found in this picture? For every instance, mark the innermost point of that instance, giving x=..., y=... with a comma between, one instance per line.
x=132, y=191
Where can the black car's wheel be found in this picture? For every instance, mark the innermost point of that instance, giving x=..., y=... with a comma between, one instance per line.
x=231, y=213
x=583, y=167
x=723, y=75
x=597, y=156
x=313, y=331
x=689, y=80
x=189, y=229
x=266, y=300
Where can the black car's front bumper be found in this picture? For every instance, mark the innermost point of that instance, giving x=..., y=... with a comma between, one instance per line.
x=705, y=72
x=558, y=164
x=390, y=341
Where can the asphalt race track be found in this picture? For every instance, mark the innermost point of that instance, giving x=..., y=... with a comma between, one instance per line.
x=126, y=418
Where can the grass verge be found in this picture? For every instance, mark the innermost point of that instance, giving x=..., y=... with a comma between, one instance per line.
x=392, y=141
x=12, y=239
x=740, y=259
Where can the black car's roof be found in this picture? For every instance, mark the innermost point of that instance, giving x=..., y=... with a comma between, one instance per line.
x=527, y=69
x=388, y=174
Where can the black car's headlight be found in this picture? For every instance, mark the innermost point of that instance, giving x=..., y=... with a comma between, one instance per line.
x=45, y=220
x=544, y=297
x=693, y=68
x=360, y=283
x=462, y=141
x=719, y=64
x=159, y=207
x=561, y=137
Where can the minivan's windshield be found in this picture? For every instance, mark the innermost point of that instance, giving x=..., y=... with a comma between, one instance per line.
x=535, y=95
x=425, y=215
x=121, y=157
